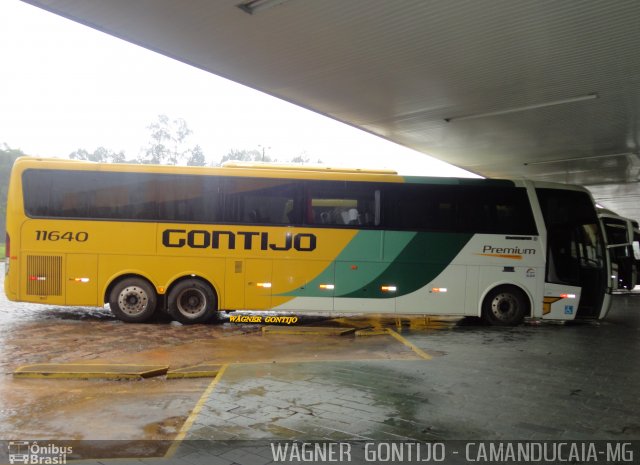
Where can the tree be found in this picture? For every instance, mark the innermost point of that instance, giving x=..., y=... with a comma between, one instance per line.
x=197, y=157
x=257, y=155
x=300, y=159
x=168, y=144
x=246, y=155
x=100, y=155
x=7, y=157
x=303, y=159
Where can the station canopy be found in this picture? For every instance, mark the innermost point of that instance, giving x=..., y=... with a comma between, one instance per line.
x=546, y=90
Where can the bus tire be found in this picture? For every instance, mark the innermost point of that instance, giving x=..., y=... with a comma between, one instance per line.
x=133, y=300
x=505, y=306
x=192, y=301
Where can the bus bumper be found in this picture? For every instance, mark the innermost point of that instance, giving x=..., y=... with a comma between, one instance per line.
x=560, y=302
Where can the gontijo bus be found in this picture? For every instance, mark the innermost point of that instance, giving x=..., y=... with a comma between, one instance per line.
x=197, y=241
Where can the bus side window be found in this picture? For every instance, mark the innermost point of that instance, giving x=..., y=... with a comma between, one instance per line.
x=261, y=201
x=343, y=203
x=495, y=210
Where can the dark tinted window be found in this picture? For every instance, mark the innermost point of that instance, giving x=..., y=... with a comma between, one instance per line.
x=421, y=207
x=212, y=199
x=72, y=194
x=187, y=198
x=128, y=196
x=561, y=206
x=496, y=210
x=337, y=203
x=452, y=208
x=160, y=197
x=615, y=231
x=261, y=201
x=574, y=238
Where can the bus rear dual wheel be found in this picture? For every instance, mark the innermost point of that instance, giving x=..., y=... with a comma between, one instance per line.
x=133, y=300
x=505, y=306
x=190, y=301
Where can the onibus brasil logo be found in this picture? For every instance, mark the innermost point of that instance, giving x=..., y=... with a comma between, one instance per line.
x=32, y=453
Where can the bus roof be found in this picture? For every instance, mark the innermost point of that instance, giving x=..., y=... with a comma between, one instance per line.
x=261, y=170
x=316, y=168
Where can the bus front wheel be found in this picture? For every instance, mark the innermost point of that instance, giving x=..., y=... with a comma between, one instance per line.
x=505, y=306
x=133, y=300
x=192, y=301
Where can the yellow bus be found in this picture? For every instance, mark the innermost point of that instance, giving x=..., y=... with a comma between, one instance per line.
x=195, y=241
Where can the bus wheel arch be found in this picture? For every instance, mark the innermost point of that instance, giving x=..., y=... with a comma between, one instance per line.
x=192, y=299
x=506, y=305
x=132, y=298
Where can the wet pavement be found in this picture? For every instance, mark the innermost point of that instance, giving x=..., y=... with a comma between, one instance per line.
x=149, y=409
x=575, y=381
x=439, y=379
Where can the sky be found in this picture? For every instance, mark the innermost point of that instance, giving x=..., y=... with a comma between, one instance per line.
x=65, y=86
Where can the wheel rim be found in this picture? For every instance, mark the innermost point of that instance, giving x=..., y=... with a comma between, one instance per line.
x=133, y=300
x=191, y=303
x=504, y=307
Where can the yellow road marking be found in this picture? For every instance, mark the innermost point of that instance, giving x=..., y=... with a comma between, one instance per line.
x=89, y=370
x=204, y=370
x=410, y=345
x=194, y=413
x=371, y=332
x=308, y=330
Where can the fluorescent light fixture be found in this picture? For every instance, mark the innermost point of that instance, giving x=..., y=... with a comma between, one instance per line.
x=524, y=108
x=256, y=6
x=589, y=157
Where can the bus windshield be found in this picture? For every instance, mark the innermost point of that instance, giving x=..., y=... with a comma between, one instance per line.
x=575, y=245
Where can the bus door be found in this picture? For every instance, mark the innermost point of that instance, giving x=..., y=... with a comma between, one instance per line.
x=619, y=235
x=576, y=257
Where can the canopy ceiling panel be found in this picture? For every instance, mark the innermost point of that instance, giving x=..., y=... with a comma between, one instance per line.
x=548, y=90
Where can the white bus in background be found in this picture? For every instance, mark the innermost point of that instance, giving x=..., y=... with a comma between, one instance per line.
x=623, y=245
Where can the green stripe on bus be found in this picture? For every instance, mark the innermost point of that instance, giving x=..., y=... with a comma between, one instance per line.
x=458, y=181
x=371, y=254
x=406, y=260
x=419, y=263
x=370, y=251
